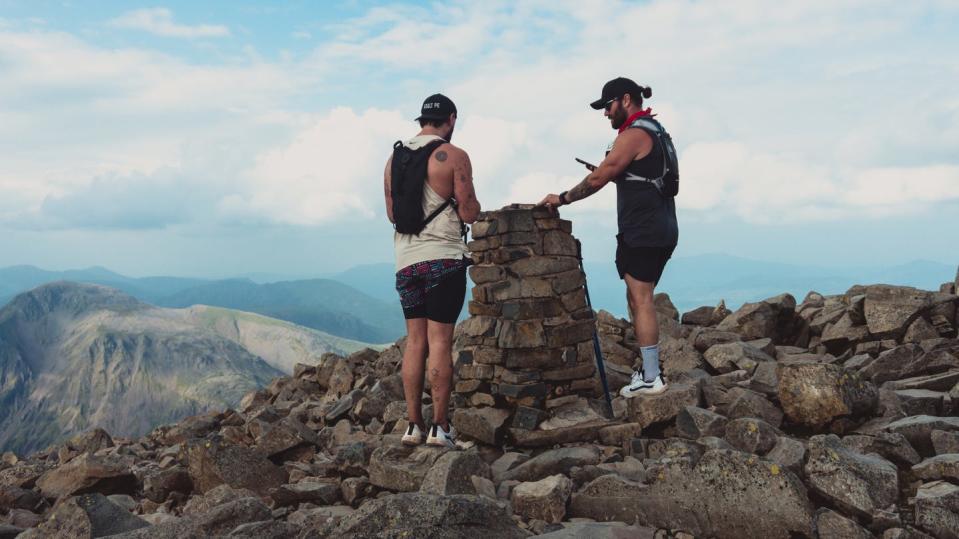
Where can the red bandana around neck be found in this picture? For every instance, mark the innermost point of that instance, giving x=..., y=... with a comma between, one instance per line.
x=638, y=114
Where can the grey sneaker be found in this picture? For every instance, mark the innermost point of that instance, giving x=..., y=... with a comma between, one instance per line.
x=413, y=436
x=440, y=438
x=639, y=386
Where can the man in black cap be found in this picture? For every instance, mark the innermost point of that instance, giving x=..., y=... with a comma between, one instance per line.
x=428, y=186
x=636, y=162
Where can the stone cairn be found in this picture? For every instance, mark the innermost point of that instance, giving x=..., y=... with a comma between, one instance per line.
x=525, y=362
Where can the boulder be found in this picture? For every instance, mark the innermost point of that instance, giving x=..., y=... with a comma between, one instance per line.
x=889, y=445
x=727, y=494
x=751, y=435
x=88, y=473
x=733, y=356
x=918, y=430
x=937, y=509
x=544, y=499
x=944, y=441
x=908, y=361
x=814, y=394
x=312, y=491
x=198, y=505
x=890, y=309
x=267, y=529
x=402, y=468
x=219, y=521
x=746, y=403
x=788, y=453
x=939, y=467
x=600, y=530
x=552, y=462
x=652, y=409
x=212, y=462
x=832, y=525
x=858, y=484
x=88, y=516
x=427, y=515
x=481, y=424
x=751, y=321
x=453, y=473
x=158, y=482
x=693, y=423
x=608, y=498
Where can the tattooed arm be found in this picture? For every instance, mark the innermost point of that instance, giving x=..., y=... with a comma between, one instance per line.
x=469, y=206
x=630, y=144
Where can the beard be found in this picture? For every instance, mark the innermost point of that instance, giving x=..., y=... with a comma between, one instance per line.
x=618, y=118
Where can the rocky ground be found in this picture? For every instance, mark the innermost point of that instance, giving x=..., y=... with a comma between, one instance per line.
x=836, y=417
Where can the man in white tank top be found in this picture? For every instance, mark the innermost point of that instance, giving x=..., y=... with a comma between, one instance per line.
x=431, y=270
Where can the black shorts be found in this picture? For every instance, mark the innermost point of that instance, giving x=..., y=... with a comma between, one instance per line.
x=434, y=289
x=641, y=263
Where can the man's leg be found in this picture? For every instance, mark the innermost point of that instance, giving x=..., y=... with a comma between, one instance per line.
x=440, y=373
x=643, y=310
x=414, y=360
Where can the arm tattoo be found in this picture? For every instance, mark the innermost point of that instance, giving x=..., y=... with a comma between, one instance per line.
x=441, y=155
x=582, y=190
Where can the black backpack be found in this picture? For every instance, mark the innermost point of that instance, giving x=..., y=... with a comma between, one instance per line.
x=407, y=175
x=668, y=183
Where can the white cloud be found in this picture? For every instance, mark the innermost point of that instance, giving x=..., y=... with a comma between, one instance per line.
x=781, y=113
x=159, y=21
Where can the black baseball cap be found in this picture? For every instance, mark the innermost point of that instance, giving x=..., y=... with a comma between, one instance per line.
x=617, y=87
x=437, y=107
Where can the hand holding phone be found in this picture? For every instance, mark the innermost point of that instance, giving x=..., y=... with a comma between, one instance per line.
x=589, y=166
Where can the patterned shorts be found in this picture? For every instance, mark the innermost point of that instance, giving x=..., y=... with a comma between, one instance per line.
x=434, y=289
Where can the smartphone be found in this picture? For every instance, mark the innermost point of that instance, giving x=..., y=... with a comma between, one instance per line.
x=588, y=165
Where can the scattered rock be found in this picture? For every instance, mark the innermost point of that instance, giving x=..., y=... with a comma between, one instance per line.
x=814, y=394
x=937, y=509
x=544, y=499
x=88, y=473
x=858, y=484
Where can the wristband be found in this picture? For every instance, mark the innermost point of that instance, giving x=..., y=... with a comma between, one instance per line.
x=562, y=198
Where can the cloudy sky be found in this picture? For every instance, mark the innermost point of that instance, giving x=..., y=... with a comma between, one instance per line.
x=223, y=138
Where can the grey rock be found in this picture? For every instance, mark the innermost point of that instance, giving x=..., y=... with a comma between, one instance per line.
x=832, y=525
x=198, y=505
x=608, y=498
x=746, y=403
x=935, y=382
x=544, y=499
x=918, y=430
x=452, y=473
x=719, y=496
x=482, y=424
x=939, y=467
x=89, y=515
x=318, y=492
x=694, y=422
x=88, y=473
x=652, y=409
x=814, y=394
x=937, y=509
x=600, y=530
x=889, y=445
x=751, y=435
x=267, y=529
x=905, y=533
x=552, y=462
x=213, y=462
x=788, y=453
x=921, y=401
x=733, y=356
x=944, y=441
x=858, y=484
x=220, y=521
x=429, y=516
x=9, y=532
x=401, y=468
x=890, y=309
x=505, y=463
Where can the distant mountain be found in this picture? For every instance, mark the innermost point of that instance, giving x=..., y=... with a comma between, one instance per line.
x=17, y=279
x=78, y=356
x=377, y=280
x=323, y=304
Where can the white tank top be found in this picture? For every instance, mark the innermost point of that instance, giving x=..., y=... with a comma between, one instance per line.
x=441, y=238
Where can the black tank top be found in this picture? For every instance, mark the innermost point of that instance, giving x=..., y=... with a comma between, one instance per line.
x=646, y=217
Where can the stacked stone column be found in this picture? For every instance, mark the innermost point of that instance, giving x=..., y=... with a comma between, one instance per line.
x=527, y=346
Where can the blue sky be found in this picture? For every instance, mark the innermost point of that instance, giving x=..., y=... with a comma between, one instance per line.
x=222, y=138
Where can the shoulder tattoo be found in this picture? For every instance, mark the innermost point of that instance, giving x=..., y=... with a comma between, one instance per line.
x=441, y=155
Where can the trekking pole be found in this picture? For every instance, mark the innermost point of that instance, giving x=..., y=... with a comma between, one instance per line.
x=596, y=348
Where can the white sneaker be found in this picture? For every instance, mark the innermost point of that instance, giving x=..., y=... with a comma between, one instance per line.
x=441, y=438
x=639, y=386
x=413, y=436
